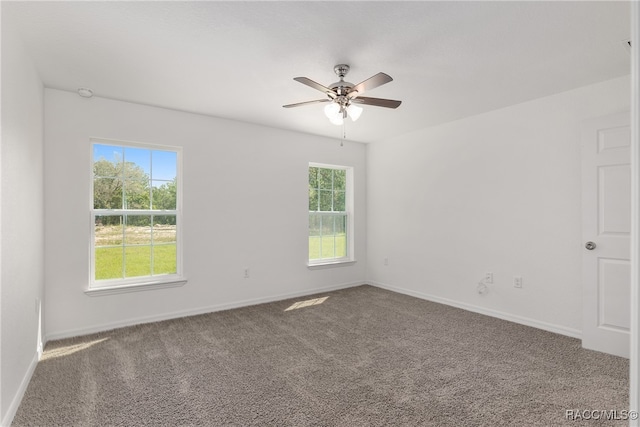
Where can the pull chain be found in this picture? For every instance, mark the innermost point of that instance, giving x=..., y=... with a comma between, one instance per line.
x=344, y=132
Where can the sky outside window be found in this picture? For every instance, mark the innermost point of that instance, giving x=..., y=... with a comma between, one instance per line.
x=164, y=162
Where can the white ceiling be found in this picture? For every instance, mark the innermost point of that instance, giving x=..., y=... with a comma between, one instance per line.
x=237, y=59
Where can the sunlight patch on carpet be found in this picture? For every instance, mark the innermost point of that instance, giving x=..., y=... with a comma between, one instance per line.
x=66, y=351
x=307, y=303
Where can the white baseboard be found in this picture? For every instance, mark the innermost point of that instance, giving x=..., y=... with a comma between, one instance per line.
x=17, y=398
x=562, y=330
x=193, y=312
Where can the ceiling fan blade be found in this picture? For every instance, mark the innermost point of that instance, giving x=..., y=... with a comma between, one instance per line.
x=378, y=102
x=300, y=104
x=315, y=85
x=371, y=83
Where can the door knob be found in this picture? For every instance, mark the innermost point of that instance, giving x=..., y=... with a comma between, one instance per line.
x=590, y=246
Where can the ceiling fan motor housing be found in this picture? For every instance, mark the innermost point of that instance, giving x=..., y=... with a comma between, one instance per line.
x=341, y=88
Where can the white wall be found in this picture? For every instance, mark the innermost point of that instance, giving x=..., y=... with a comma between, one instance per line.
x=497, y=192
x=245, y=205
x=21, y=221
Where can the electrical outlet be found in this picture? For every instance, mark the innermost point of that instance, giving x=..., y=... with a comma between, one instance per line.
x=488, y=277
x=246, y=272
x=517, y=282
x=386, y=261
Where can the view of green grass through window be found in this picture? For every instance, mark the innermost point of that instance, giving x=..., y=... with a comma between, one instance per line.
x=134, y=211
x=327, y=213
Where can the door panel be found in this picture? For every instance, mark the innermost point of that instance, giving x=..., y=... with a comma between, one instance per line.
x=614, y=200
x=606, y=200
x=613, y=293
x=614, y=138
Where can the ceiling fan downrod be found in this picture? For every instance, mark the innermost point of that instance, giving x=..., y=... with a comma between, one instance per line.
x=341, y=70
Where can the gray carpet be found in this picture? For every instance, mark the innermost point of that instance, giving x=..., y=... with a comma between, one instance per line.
x=362, y=357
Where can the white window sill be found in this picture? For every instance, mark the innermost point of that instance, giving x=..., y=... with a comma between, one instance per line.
x=135, y=287
x=331, y=264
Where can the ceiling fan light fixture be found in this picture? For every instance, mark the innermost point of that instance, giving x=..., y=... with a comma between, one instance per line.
x=354, y=112
x=334, y=113
x=337, y=120
x=332, y=110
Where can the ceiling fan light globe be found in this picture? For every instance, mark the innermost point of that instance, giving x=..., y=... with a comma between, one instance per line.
x=336, y=120
x=354, y=112
x=332, y=110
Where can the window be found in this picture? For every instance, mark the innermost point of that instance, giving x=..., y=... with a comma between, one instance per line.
x=330, y=200
x=135, y=215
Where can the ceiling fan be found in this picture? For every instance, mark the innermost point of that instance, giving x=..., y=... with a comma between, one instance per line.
x=343, y=96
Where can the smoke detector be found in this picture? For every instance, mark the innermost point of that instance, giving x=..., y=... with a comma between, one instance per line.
x=85, y=92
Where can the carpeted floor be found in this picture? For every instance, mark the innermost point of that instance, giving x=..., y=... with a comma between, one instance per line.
x=362, y=357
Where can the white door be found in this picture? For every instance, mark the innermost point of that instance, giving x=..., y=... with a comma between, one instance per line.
x=606, y=207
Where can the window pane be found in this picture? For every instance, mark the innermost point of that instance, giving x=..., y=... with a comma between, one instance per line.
x=327, y=225
x=136, y=194
x=108, y=230
x=164, y=259
x=313, y=177
x=314, y=247
x=325, y=179
x=313, y=199
x=332, y=241
x=164, y=165
x=164, y=194
x=338, y=201
x=137, y=260
x=104, y=168
x=326, y=200
x=339, y=179
x=340, y=222
x=328, y=247
x=108, y=235
x=164, y=229
x=137, y=230
x=107, y=160
x=107, y=193
x=341, y=246
x=341, y=236
x=314, y=225
x=137, y=163
x=108, y=263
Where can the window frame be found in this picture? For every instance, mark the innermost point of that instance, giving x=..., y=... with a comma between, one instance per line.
x=350, y=218
x=138, y=283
